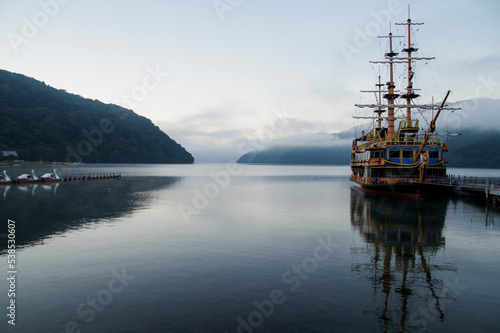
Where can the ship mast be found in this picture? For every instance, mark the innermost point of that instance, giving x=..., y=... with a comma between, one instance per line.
x=390, y=96
x=391, y=58
x=410, y=94
x=379, y=111
x=391, y=93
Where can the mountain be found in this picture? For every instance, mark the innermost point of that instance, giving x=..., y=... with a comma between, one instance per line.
x=43, y=123
x=319, y=148
x=476, y=147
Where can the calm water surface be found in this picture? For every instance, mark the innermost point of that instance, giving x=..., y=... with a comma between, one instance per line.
x=229, y=248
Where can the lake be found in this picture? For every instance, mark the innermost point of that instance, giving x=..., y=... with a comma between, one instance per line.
x=243, y=248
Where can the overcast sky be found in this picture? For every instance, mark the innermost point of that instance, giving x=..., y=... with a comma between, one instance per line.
x=215, y=75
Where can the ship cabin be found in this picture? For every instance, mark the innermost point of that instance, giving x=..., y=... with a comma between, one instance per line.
x=378, y=159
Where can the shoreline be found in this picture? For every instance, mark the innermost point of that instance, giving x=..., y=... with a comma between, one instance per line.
x=36, y=163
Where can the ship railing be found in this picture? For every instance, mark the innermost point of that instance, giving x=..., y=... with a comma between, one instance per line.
x=409, y=179
x=408, y=124
x=403, y=180
x=437, y=180
x=407, y=141
x=395, y=180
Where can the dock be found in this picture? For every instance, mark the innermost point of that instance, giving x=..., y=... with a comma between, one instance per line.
x=477, y=186
x=92, y=176
x=25, y=179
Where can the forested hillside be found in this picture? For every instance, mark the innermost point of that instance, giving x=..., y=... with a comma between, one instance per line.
x=44, y=123
x=475, y=149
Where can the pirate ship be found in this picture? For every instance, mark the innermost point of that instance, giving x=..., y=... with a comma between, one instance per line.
x=396, y=156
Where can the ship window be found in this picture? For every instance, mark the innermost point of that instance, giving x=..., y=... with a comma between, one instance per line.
x=375, y=154
x=407, y=153
x=362, y=156
x=394, y=153
x=433, y=153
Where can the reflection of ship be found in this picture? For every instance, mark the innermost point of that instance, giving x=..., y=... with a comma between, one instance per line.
x=401, y=240
x=397, y=157
x=6, y=189
x=27, y=188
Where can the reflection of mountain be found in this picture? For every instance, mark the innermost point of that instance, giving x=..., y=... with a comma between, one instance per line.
x=401, y=240
x=41, y=211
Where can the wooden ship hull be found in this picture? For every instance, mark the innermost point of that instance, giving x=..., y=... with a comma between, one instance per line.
x=416, y=190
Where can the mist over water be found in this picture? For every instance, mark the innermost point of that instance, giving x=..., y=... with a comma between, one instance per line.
x=245, y=248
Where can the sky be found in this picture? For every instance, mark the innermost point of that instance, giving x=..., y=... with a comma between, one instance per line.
x=223, y=76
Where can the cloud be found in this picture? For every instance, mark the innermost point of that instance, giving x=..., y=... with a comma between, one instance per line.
x=217, y=134
x=480, y=113
x=313, y=140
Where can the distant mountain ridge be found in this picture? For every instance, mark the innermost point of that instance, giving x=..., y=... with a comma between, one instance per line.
x=478, y=146
x=318, y=148
x=41, y=122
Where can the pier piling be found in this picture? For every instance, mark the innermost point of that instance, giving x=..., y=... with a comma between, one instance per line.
x=88, y=177
x=477, y=186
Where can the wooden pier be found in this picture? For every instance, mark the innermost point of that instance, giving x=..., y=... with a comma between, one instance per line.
x=477, y=186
